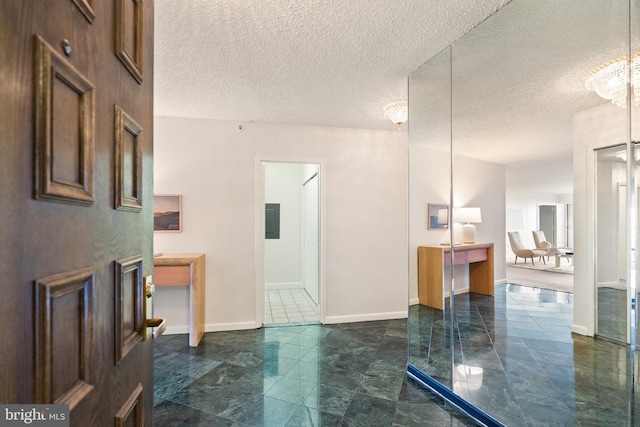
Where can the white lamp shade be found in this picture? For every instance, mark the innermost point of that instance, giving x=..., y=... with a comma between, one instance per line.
x=468, y=215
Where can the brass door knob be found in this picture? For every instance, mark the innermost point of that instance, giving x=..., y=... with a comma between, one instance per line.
x=149, y=290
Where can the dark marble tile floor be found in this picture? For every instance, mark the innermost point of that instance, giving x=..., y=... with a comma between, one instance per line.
x=309, y=375
x=612, y=313
x=514, y=357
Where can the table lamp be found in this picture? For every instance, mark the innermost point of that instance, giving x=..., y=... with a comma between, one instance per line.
x=468, y=216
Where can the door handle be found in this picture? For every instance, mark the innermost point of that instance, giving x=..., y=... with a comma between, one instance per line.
x=158, y=324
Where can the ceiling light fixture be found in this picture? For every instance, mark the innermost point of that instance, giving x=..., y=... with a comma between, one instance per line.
x=609, y=81
x=397, y=112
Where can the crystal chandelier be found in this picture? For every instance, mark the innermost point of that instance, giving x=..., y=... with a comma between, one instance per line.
x=609, y=81
x=397, y=112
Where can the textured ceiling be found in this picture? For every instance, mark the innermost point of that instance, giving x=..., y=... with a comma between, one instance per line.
x=315, y=62
x=517, y=78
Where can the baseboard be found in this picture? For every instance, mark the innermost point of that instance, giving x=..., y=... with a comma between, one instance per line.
x=283, y=285
x=213, y=327
x=457, y=292
x=414, y=301
x=175, y=330
x=366, y=317
x=500, y=282
x=581, y=330
x=233, y=326
x=612, y=284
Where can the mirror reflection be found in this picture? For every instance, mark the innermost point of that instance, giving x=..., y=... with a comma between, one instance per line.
x=611, y=246
x=430, y=173
x=526, y=119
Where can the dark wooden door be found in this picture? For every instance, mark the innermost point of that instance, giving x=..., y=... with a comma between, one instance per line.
x=76, y=160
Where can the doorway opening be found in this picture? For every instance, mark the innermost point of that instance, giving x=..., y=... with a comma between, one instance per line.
x=291, y=243
x=547, y=222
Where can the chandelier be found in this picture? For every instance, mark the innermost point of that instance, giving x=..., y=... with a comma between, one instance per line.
x=609, y=81
x=397, y=112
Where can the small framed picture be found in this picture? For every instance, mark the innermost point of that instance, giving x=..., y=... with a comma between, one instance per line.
x=167, y=213
x=438, y=217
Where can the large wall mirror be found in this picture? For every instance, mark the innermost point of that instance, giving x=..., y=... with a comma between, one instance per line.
x=505, y=113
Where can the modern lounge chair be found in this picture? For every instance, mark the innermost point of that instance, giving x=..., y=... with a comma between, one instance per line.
x=520, y=250
x=540, y=240
x=542, y=243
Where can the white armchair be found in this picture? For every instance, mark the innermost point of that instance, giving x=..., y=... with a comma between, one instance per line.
x=520, y=250
x=542, y=243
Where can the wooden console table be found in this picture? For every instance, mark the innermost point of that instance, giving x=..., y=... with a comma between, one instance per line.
x=185, y=270
x=432, y=261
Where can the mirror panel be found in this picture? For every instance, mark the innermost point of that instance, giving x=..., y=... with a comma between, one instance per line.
x=635, y=137
x=517, y=94
x=611, y=247
x=429, y=194
x=518, y=79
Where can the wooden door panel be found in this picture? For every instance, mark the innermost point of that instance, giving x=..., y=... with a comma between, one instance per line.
x=130, y=35
x=59, y=181
x=64, y=337
x=129, y=320
x=86, y=8
x=131, y=413
x=64, y=128
x=128, y=166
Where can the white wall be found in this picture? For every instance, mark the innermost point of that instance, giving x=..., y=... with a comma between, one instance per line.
x=482, y=184
x=283, y=256
x=476, y=183
x=215, y=166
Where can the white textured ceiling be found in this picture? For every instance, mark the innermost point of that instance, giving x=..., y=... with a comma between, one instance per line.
x=315, y=62
x=517, y=80
x=330, y=63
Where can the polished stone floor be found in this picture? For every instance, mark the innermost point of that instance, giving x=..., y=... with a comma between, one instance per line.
x=312, y=375
x=612, y=313
x=514, y=357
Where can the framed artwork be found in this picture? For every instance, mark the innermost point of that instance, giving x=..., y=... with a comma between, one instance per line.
x=438, y=217
x=167, y=213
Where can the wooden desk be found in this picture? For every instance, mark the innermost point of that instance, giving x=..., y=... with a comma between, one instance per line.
x=432, y=261
x=185, y=270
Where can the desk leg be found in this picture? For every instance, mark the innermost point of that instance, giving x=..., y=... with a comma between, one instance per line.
x=196, y=303
x=481, y=276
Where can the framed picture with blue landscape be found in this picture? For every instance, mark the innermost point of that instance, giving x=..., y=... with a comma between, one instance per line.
x=167, y=213
x=438, y=216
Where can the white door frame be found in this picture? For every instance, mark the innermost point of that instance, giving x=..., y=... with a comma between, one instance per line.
x=259, y=241
x=311, y=182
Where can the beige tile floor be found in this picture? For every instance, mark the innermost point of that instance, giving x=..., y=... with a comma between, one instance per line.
x=290, y=306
